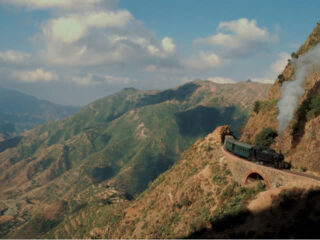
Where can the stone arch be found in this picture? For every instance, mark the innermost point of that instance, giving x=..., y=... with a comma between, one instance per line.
x=258, y=172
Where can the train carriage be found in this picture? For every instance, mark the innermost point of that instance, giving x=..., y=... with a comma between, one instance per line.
x=256, y=154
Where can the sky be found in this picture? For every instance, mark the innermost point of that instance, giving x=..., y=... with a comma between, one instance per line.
x=72, y=52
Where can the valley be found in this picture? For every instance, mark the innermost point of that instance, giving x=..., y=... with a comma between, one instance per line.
x=197, y=120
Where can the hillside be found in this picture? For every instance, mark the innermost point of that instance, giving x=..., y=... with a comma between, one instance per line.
x=300, y=140
x=20, y=112
x=122, y=141
x=197, y=198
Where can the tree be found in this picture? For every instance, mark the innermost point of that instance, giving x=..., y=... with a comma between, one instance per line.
x=256, y=106
x=294, y=55
x=266, y=137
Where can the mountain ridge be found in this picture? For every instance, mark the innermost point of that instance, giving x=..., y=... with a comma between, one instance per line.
x=20, y=112
x=124, y=141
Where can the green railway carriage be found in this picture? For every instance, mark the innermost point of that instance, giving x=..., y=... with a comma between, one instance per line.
x=238, y=148
x=255, y=154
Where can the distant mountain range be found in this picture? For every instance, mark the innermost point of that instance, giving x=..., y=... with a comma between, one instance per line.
x=20, y=112
x=124, y=141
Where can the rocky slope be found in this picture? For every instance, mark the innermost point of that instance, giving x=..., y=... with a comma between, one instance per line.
x=123, y=141
x=197, y=198
x=300, y=142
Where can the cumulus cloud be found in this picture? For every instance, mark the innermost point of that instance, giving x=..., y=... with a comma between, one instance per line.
x=11, y=56
x=38, y=75
x=204, y=60
x=72, y=28
x=168, y=45
x=275, y=69
x=221, y=80
x=239, y=38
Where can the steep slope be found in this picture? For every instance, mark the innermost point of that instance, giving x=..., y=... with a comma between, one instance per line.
x=178, y=202
x=300, y=142
x=124, y=141
x=197, y=198
x=20, y=112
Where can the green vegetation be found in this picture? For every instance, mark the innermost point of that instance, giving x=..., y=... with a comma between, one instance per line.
x=314, y=107
x=302, y=169
x=266, y=137
x=309, y=109
x=294, y=55
x=256, y=107
x=130, y=137
x=144, y=132
x=281, y=78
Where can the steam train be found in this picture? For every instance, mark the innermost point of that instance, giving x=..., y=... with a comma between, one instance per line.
x=259, y=155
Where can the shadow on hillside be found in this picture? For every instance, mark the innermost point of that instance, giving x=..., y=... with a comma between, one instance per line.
x=180, y=94
x=10, y=143
x=292, y=216
x=203, y=120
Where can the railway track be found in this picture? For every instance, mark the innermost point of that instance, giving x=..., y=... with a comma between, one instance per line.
x=233, y=157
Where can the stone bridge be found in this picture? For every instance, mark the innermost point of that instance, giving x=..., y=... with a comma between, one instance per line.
x=243, y=170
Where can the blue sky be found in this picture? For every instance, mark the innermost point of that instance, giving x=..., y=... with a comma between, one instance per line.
x=75, y=51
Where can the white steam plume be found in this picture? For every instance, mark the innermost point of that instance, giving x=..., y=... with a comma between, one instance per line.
x=291, y=91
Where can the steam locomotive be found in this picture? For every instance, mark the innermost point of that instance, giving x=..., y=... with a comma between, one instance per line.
x=259, y=155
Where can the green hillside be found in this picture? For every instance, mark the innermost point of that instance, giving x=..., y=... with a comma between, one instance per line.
x=124, y=140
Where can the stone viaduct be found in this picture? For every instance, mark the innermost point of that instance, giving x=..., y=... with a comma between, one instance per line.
x=242, y=170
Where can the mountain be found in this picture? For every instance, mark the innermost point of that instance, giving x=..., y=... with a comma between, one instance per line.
x=196, y=198
x=20, y=112
x=120, y=142
x=300, y=140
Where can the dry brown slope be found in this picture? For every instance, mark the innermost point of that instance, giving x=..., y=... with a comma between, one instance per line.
x=301, y=146
x=186, y=198
x=197, y=198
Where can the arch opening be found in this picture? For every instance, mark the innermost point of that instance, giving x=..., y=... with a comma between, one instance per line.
x=256, y=179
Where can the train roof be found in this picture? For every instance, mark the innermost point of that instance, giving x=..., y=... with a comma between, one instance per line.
x=242, y=144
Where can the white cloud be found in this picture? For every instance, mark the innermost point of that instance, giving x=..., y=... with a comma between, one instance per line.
x=47, y=4
x=239, y=38
x=10, y=56
x=221, y=80
x=38, y=75
x=168, y=45
x=204, y=60
x=278, y=66
x=72, y=28
x=275, y=69
x=84, y=80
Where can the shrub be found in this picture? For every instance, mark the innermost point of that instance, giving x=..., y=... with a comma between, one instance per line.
x=256, y=106
x=266, y=137
x=281, y=78
x=294, y=55
x=314, y=109
x=302, y=169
